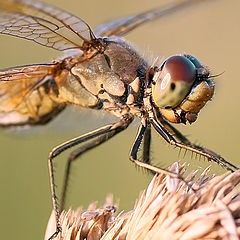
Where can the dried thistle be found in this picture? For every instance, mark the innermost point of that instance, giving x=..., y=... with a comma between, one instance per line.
x=168, y=209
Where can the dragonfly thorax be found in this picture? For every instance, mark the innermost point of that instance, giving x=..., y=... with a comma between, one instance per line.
x=112, y=80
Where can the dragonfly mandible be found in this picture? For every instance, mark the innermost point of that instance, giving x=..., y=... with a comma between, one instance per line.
x=102, y=72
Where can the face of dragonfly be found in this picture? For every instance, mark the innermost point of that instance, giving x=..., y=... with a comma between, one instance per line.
x=181, y=87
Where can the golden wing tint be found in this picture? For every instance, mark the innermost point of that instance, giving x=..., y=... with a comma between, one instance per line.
x=44, y=24
x=29, y=95
x=124, y=25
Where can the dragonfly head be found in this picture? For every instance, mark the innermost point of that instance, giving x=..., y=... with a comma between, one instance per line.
x=181, y=87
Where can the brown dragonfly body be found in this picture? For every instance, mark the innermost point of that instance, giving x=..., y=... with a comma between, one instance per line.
x=104, y=73
x=99, y=79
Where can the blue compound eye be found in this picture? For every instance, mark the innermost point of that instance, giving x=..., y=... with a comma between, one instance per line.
x=194, y=60
x=173, y=81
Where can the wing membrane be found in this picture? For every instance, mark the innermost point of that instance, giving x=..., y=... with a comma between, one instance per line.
x=124, y=25
x=44, y=24
x=28, y=95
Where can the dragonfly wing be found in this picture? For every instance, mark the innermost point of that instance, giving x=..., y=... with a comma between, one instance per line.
x=122, y=26
x=29, y=95
x=44, y=24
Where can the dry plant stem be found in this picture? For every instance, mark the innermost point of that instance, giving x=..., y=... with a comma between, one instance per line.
x=166, y=210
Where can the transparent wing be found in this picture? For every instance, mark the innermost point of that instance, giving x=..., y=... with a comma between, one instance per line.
x=44, y=24
x=124, y=25
x=29, y=95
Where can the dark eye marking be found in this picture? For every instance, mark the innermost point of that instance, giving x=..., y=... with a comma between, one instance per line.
x=173, y=86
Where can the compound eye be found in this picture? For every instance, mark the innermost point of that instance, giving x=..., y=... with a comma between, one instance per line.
x=201, y=70
x=194, y=60
x=173, y=81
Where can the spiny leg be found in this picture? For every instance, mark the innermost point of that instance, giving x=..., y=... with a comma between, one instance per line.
x=192, y=147
x=174, y=131
x=148, y=166
x=146, y=145
x=123, y=123
x=185, y=141
x=54, y=153
x=76, y=155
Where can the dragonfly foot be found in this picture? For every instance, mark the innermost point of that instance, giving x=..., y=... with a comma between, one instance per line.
x=59, y=229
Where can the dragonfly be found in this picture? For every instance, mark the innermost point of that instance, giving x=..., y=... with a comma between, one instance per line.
x=101, y=71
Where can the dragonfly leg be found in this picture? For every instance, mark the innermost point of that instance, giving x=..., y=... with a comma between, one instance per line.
x=192, y=147
x=111, y=128
x=76, y=155
x=174, y=131
x=146, y=145
x=147, y=165
x=185, y=141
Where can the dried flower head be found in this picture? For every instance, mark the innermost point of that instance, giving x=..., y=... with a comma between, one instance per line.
x=168, y=209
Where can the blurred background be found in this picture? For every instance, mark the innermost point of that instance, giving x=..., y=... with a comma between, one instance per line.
x=209, y=31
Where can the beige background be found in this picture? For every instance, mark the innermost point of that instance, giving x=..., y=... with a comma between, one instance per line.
x=209, y=31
